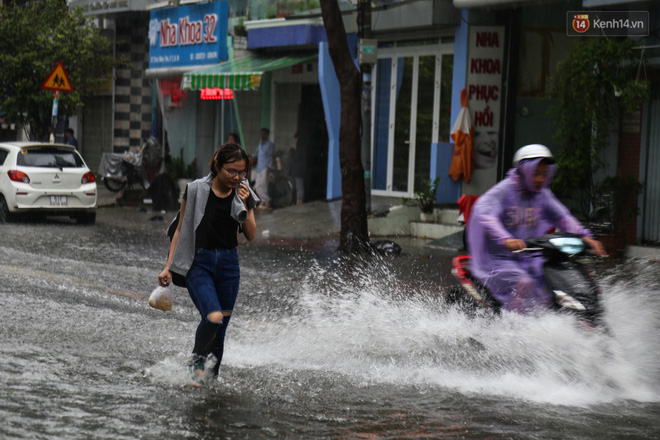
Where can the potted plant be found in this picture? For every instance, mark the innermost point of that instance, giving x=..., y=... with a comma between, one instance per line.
x=426, y=199
x=181, y=173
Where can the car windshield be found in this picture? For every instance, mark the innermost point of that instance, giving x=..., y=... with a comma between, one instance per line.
x=49, y=157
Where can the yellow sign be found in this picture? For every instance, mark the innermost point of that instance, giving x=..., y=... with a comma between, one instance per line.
x=58, y=79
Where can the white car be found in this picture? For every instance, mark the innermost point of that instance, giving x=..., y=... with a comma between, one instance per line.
x=48, y=178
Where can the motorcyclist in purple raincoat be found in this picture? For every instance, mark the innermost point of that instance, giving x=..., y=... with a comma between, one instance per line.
x=518, y=208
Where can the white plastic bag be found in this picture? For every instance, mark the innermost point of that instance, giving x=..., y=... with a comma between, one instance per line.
x=161, y=298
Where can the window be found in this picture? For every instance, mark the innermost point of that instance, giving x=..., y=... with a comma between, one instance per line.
x=411, y=103
x=49, y=157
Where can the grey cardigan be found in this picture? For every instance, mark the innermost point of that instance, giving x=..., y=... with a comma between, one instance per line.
x=196, y=198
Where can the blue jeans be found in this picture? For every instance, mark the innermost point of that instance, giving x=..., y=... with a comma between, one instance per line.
x=212, y=282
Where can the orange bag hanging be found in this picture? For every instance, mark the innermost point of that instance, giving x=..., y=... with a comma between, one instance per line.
x=462, y=164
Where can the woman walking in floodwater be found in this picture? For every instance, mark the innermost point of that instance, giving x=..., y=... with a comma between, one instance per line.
x=203, y=249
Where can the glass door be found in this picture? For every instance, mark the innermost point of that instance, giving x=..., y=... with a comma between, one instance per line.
x=402, y=131
x=407, y=103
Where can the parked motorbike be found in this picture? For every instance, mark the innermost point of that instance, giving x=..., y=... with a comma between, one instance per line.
x=121, y=169
x=565, y=272
x=281, y=187
x=125, y=170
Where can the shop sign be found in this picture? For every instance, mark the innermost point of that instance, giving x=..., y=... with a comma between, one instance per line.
x=188, y=35
x=485, y=76
x=484, y=87
x=214, y=94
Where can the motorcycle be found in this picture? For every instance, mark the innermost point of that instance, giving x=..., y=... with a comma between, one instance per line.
x=281, y=187
x=565, y=272
x=121, y=170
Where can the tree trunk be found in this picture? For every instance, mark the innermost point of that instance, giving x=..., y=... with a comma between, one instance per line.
x=354, y=234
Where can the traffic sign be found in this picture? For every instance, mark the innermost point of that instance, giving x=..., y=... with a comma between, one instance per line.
x=58, y=80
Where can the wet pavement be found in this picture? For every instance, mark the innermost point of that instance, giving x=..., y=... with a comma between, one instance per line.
x=320, y=345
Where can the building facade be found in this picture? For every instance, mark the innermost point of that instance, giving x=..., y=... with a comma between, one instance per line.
x=502, y=52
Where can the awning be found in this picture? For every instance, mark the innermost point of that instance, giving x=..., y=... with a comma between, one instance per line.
x=239, y=74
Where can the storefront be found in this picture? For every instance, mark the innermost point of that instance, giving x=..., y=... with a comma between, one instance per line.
x=413, y=99
x=274, y=82
x=536, y=38
x=182, y=39
x=276, y=92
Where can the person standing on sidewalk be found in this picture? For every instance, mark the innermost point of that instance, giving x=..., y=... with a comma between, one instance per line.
x=264, y=164
x=70, y=138
x=203, y=249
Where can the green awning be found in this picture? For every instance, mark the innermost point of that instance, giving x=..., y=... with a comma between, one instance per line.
x=238, y=74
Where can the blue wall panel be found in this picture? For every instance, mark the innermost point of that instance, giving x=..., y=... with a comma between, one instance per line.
x=442, y=153
x=441, y=156
x=296, y=35
x=332, y=107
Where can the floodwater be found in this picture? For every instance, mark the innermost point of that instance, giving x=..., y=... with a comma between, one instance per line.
x=319, y=347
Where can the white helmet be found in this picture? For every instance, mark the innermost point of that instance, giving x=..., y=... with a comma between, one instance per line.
x=533, y=151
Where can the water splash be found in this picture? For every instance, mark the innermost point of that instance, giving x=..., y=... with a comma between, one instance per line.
x=362, y=322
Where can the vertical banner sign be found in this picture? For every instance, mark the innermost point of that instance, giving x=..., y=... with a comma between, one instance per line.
x=484, y=87
x=188, y=35
x=485, y=64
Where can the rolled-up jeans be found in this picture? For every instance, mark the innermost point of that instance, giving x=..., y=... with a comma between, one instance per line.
x=212, y=282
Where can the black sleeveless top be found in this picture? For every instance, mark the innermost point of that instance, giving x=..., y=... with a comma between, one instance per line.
x=218, y=229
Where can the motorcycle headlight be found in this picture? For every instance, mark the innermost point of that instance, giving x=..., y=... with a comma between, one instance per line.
x=568, y=245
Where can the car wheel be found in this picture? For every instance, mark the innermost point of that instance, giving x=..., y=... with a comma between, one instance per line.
x=4, y=210
x=86, y=218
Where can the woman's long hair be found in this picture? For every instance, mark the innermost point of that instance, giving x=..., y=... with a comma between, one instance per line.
x=228, y=153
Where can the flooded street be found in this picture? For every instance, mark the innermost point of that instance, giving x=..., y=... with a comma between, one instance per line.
x=318, y=347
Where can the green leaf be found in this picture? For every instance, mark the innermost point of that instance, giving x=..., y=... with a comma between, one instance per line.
x=33, y=38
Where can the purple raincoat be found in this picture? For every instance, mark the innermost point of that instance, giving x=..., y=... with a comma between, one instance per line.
x=512, y=209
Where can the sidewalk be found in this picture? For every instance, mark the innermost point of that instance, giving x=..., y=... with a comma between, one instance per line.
x=318, y=220
x=313, y=220
x=105, y=197
x=322, y=220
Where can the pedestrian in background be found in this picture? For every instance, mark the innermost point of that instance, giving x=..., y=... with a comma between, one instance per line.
x=70, y=138
x=297, y=169
x=234, y=138
x=264, y=158
x=203, y=249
